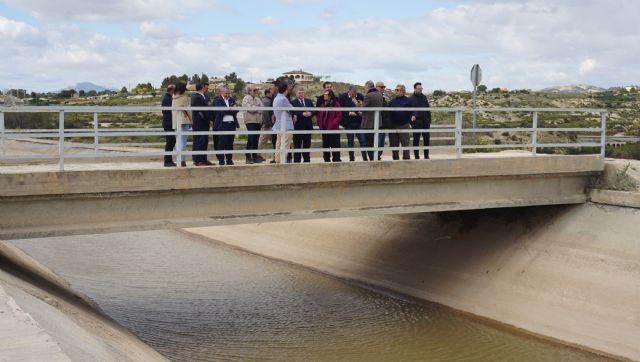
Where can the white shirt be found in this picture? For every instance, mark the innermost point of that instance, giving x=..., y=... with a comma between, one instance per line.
x=227, y=118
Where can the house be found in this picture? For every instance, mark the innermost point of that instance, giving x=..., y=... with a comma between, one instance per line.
x=299, y=76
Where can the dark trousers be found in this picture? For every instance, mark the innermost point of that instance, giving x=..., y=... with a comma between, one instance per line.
x=331, y=141
x=170, y=144
x=200, y=142
x=426, y=136
x=396, y=139
x=252, y=139
x=368, y=143
x=225, y=143
x=350, y=140
x=301, y=141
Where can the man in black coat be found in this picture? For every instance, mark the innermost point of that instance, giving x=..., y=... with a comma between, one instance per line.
x=420, y=120
x=170, y=140
x=352, y=120
x=302, y=121
x=201, y=120
x=225, y=121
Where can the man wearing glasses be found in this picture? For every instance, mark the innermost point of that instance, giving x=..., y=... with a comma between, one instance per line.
x=400, y=120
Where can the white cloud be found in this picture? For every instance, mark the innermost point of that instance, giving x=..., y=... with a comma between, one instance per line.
x=327, y=14
x=519, y=45
x=111, y=11
x=270, y=20
x=587, y=66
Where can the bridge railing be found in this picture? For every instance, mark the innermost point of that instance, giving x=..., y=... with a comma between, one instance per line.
x=464, y=138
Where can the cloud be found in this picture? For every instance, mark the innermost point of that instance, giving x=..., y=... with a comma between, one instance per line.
x=587, y=66
x=300, y=2
x=519, y=45
x=327, y=14
x=270, y=20
x=110, y=11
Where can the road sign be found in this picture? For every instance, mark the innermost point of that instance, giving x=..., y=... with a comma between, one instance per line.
x=476, y=75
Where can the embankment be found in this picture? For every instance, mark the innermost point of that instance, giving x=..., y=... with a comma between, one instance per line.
x=47, y=321
x=569, y=273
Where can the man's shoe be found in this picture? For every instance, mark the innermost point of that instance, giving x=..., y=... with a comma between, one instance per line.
x=170, y=164
x=249, y=160
x=183, y=164
x=229, y=162
x=257, y=159
x=272, y=161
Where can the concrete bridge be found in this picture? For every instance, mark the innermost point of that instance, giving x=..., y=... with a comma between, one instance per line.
x=49, y=203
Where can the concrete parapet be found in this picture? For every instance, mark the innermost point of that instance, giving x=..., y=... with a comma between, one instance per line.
x=58, y=203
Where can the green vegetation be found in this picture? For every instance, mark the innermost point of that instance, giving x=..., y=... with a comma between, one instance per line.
x=623, y=109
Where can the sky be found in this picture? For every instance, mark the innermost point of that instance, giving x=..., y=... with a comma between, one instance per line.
x=49, y=45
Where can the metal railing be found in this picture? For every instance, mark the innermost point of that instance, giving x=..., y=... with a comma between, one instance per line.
x=457, y=129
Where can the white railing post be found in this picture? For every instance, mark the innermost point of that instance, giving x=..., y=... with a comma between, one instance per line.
x=61, y=140
x=458, y=133
x=603, y=134
x=2, y=133
x=178, y=149
x=95, y=132
x=376, y=134
x=534, y=134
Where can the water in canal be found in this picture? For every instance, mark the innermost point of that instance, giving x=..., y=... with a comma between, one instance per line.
x=196, y=300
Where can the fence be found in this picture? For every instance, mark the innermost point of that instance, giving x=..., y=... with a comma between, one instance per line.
x=106, y=150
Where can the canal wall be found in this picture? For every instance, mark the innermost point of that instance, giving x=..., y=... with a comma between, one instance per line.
x=43, y=319
x=567, y=273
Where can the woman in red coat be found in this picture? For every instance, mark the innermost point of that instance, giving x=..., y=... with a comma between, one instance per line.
x=330, y=120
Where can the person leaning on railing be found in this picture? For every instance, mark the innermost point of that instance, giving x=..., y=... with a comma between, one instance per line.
x=253, y=122
x=167, y=125
x=182, y=117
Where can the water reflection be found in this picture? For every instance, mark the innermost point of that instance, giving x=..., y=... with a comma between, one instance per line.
x=196, y=300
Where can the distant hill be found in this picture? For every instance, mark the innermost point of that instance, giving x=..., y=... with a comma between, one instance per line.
x=569, y=89
x=88, y=86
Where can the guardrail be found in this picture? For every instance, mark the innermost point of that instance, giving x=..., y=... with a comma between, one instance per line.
x=62, y=133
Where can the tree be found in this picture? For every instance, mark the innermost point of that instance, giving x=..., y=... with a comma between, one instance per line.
x=439, y=93
x=124, y=90
x=494, y=90
x=204, y=79
x=81, y=93
x=482, y=88
x=238, y=88
x=231, y=77
x=92, y=93
x=195, y=79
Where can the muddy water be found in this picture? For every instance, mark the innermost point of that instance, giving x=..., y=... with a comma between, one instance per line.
x=196, y=300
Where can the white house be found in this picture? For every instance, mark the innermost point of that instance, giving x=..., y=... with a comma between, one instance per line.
x=299, y=76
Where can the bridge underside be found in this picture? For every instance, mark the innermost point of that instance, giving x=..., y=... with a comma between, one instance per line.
x=88, y=202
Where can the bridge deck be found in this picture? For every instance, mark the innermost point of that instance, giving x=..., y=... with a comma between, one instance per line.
x=105, y=199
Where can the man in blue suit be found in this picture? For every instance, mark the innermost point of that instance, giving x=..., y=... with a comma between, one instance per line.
x=201, y=121
x=302, y=122
x=352, y=120
x=225, y=121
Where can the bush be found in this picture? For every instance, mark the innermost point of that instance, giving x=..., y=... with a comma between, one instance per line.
x=630, y=151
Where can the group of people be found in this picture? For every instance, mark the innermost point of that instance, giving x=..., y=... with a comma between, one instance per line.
x=278, y=95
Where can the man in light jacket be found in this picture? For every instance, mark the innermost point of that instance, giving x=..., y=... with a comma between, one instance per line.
x=253, y=122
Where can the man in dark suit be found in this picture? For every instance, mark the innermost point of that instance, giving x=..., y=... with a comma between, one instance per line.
x=200, y=123
x=352, y=120
x=225, y=121
x=302, y=121
x=167, y=125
